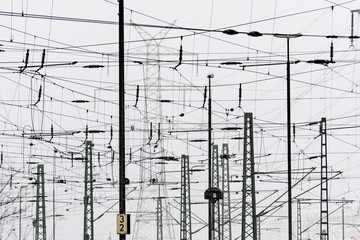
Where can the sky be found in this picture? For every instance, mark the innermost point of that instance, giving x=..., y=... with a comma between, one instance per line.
x=59, y=69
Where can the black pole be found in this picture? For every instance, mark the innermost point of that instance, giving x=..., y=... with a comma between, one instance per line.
x=211, y=213
x=289, y=137
x=122, y=209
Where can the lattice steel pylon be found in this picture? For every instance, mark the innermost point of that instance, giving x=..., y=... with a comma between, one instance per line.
x=40, y=221
x=324, y=202
x=299, y=228
x=249, y=223
x=88, y=195
x=226, y=207
x=185, y=204
x=258, y=222
x=216, y=181
x=152, y=181
x=159, y=219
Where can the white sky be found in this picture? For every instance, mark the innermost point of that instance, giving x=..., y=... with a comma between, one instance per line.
x=317, y=91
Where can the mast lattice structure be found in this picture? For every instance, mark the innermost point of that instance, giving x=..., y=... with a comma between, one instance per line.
x=153, y=146
x=216, y=183
x=185, y=218
x=249, y=223
x=324, y=200
x=88, y=196
x=40, y=221
x=226, y=207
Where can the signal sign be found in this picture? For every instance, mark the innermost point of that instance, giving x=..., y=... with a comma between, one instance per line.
x=123, y=224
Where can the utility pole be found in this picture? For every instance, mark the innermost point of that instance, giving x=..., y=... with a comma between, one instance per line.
x=185, y=217
x=211, y=201
x=20, y=216
x=248, y=224
x=324, y=202
x=20, y=212
x=122, y=197
x=288, y=125
x=40, y=221
x=53, y=185
x=88, y=196
x=226, y=207
x=343, y=219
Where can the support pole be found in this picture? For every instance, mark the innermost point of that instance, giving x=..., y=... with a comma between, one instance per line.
x=249, y=221
x=289, y=137
x=211, y=203
x=185, y=217
x=122, y=197
x=40, y=221
x=20, y=213
x=343, y=219
x=324, y=200
x=88, y=195
x=299, y=228
x=226, y=208
x=159, y=218
x=216, y=178
x=288, y=107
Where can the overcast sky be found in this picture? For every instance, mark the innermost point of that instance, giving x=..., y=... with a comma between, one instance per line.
x=46, y=107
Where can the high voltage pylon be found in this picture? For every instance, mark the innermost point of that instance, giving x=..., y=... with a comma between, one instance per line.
x=226, y=207
x=324, y=201
x=88, y=195
x=249, y=223
x=152, y=145
x=185, y=213
x=40, y=221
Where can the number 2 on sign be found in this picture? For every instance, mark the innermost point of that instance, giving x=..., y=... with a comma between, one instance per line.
x=121, y=224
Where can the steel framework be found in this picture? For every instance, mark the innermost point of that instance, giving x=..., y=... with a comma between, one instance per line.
x=153, y=114
x=226, y=207
x=324, y=205
x=216, y=180
x=159, y=219
x=299, y=228
x=185, y=218
x=248, y=224
x=88, y=195
x=40, y=221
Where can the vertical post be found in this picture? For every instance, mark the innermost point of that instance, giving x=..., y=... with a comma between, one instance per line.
x=40, y=224
x=159, y=218
x=249, y=221
x=289, y=137
x=53, y=185
x=216, y=183
x=324, y=198
x=343, y=219
x=122, y=209
x=258, y=227
x=185, y=206
x=211, y=203
x=299, y=228
x=88, y=195
x=288, y=107
x=20, y=214
x=226, y=209
x=352, y=29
